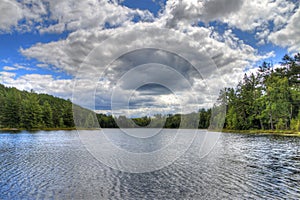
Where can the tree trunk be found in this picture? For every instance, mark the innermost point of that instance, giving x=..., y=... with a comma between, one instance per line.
x=261, y=124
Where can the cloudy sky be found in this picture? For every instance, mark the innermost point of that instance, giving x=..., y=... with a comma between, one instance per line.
x=141, y=57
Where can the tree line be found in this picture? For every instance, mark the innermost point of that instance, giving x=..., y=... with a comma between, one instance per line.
x=269, y=99
x=193, y=120
x=29, y=110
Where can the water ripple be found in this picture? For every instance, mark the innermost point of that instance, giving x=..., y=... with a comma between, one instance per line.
x=55, y=165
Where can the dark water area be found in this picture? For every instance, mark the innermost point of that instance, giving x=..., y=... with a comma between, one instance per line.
x=56, y=165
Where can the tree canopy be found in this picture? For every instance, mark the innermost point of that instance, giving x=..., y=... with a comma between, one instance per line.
x=269, y=99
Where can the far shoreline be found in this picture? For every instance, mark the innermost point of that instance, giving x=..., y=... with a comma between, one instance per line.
x=250, y=132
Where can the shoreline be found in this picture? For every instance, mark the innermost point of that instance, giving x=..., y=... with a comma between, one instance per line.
x=252, y=131
x=38, y=129
x=265, y=132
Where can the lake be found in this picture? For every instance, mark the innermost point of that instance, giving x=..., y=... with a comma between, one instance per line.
x=56, y=165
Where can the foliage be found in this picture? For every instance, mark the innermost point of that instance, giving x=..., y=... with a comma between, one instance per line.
x=28, y=110
x=268, y=100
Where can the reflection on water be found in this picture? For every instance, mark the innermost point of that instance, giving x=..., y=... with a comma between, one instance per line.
x=47, y=165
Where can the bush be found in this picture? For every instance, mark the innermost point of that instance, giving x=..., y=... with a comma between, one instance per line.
x=295, y=124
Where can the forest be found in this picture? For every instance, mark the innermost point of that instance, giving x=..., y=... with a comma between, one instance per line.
x=28, y=110
x=267, y=100
x=32, y=111
x=193, y=120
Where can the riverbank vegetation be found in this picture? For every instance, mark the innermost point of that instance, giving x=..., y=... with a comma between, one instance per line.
x=267, y=100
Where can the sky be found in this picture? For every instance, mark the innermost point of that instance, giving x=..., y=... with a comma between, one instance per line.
x=136, y=58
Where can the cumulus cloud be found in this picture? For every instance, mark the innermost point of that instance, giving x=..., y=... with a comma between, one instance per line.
x=7, y=77
x=178, y=13
x=8, y=68
x=10, y=14
x=82, y=14
x=70, y=53
x=87, y=52
x=56, y=16
x=259, y=13
x=214, y=9
x=244, y=15
x=21, y=15
x=289, y=36
x=39, y=83
x=17, y=66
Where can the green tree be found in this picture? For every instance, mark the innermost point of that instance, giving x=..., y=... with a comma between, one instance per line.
x=67, y=114
x=31, y=117
x=277, y=100
x=11, y=109
x=270, y=99
x=47, y=116
x=295, y=123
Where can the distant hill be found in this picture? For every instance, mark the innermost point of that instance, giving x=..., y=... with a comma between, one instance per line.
x=29, y=110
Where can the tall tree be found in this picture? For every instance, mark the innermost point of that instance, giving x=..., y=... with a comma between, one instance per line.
x=11, y=110
x=47, y=115
x=31, y=117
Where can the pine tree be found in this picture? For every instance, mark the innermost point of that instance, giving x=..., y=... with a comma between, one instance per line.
x=47, y=116
x=11, y=109
x=31, y=117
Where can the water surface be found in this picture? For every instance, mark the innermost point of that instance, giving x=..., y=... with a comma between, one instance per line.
x=55, y=165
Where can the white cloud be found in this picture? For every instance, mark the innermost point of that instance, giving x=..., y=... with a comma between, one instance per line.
x=230, y=54
x=13, y=11
x=68, y=54
x=183, y=13
x=56, y=28
x=39, y=83
x=8, y=68
x=82, y=14
x=289, y=36
x=6, y=77
x=262, y=35
x=244, y=15
x=65, y=15
x=16, y=67
x=259, y=13
x=43, y=65
x=10, y=14
x=21, y=66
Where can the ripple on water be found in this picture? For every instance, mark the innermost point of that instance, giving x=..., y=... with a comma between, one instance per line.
x=55, y=165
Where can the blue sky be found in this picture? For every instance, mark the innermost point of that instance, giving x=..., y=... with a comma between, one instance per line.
x=11, y=56
x=45, y=44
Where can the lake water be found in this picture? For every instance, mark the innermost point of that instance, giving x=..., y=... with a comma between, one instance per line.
x=56, y=165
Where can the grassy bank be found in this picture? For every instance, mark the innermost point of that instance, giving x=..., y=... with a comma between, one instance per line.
x=272, y=132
